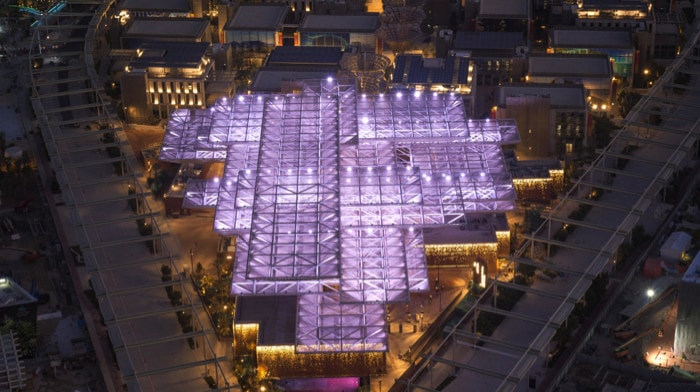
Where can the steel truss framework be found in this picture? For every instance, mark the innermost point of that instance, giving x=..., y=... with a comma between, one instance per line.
x=74, y=121
x=328, y=190
x=620, y=191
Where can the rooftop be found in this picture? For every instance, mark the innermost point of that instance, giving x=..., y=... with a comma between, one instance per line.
x=272, y=80
x=488, y=40
x=167, y=27
x=414, y=69
x=588, y=38
x=561, y=95
x=328, y=192
x=614, y=4
x=156, y=5
x=305, y=55
x=275, y=316
x=170, y=54
x=366, y=23
x=268, y=17
x=503, y=9
x=575, y=65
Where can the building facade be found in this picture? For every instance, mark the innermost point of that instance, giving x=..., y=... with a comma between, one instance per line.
x=616, y=44
x=342, y=31
x=164, y=76
x=593, y=71
x=552, y=118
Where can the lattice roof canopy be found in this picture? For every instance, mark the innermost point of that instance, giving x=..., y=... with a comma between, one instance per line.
x=328, y=190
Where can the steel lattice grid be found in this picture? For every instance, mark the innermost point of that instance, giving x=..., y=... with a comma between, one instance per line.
x=419, y=162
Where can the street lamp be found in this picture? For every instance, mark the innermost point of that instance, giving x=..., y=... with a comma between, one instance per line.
x=650, y=293
x=192, y=260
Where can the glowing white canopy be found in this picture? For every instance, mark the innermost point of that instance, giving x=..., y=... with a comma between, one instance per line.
x=327, y=192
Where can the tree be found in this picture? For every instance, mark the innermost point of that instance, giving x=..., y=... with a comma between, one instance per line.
x=627, y=99
x=602, y=128
x=25, y=333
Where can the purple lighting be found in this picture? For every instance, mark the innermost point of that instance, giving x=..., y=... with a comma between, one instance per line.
x=345, y=241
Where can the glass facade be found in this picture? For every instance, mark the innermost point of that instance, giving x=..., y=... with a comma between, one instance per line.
x=366, y=42
x=252, y=39
x=623, y=59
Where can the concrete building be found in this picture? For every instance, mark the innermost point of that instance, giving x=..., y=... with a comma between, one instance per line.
x=593, y=71
x=141, y=30
x=163, y=76
x=635, y=16
x=629, y=14
x=256, y=26
x=129, y=10
x=499, y=57
x=504, y=15
x=667, y=36
x=342, y=31
x=616, y=44
x=552, y=118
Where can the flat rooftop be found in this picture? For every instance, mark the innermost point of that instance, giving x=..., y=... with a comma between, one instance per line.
x=364, y=23
x=415, y=69
x=488, y=40
x=170, y=54
x=588, y=38
x=258, y=17
x=614, y=4
x=276, y=317
x=167, y=27
x=155, y=5
x=305, y=55
x=574, y=65
x=272, y=80
x=509, y=9
x=561, y=95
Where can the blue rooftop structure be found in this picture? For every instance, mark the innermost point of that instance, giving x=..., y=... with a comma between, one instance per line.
x=414, y=69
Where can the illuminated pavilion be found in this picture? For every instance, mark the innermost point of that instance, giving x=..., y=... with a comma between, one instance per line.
x=328, y=193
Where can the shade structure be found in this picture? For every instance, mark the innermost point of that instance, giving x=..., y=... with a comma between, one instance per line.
x=328, y=190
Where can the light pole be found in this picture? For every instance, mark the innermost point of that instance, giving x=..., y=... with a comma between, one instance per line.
x=192, y=260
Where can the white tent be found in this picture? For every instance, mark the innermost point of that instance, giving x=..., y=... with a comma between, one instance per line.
x=676, y=244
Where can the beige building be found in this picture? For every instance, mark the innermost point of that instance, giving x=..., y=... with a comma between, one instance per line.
x=163, y=76
x=593, y=71
x=552, y=118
